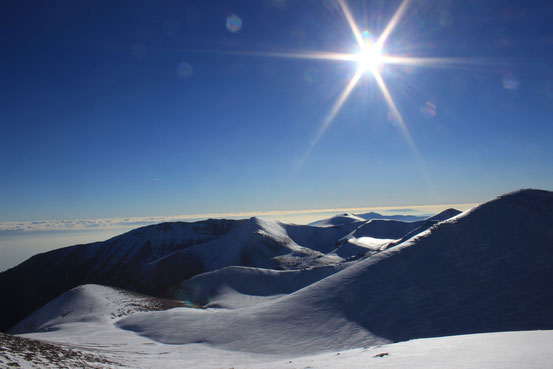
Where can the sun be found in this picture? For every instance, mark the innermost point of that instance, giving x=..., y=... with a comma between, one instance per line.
x=371, y=52
x=369, y=58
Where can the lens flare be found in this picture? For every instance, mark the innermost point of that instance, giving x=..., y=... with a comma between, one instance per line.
x=428, y=110
x=234, y=23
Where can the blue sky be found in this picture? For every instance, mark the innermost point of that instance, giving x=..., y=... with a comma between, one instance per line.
x=148, y=108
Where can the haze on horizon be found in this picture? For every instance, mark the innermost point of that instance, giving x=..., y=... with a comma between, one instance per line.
x=21, y=240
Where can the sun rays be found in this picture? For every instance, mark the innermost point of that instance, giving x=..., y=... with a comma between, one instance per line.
x=371, y=56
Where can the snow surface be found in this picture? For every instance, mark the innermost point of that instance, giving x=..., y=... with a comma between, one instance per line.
x=371, y=242
x=488, y=269
x=90, y=303
x=506, y=350
x=87, y=335
x=236, y=286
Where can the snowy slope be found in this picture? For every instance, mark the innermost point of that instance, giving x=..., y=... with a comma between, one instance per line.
x=87, y=337
x=502, y=350
x=116, y=262
x=90, y=303
x=446, y=214
x=233, y=287
x=258, y=243
x=229, y=287
x=505, y=350
x=77, y=330
x=483, y=271
x=156, y=259
x=385, y=228
x=488, y=269
x=353, y=247
x=395, y=229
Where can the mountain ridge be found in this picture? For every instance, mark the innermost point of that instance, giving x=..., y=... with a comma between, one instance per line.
x=454, y=278
x=156, y=259
x=447, y=276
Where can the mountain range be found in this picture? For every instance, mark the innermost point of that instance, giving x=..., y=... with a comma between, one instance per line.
x=270, y=288
x=157, y=259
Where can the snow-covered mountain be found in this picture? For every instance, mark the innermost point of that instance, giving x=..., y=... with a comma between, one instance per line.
x=378, y=234
x=91, y=303
x=118, y=262
x=304, y=290
x=156, y=259
x=483, y=271
x=346, y=218
x=404, y=218
x=339, y=219
x=237, y=286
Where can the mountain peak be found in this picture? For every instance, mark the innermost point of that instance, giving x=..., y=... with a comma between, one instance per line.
x=339, y=219
x=446, y=214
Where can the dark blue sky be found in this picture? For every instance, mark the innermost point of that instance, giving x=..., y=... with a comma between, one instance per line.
x=145, y=108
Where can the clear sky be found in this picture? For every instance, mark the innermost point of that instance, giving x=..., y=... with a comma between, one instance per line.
x=145, y=108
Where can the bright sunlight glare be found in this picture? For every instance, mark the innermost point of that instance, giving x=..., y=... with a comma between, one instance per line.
x=369, y=58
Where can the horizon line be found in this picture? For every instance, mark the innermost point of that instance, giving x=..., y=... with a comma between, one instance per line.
x=118, y=222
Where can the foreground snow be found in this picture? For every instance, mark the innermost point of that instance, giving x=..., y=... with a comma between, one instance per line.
x=81, y=328
x=504, y=350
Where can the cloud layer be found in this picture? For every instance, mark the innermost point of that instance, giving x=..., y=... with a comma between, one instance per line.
x=299, y=216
